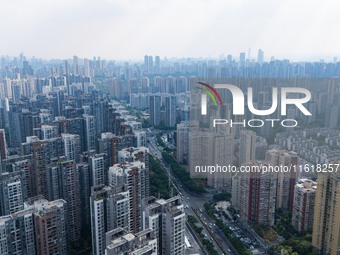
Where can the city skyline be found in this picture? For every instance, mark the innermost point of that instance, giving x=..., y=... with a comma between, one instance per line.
x=109, y=147
x=158, y=127
x=175, y=29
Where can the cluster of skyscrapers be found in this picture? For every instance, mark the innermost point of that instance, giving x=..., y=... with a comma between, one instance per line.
x=310, y=199
x=75, y=164
x=74, y=167
x=258, y=195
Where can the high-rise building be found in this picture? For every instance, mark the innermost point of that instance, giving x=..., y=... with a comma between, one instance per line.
x=242, y=59
x=170, y=111
x=63, y=183
x=75, y=66
x=99, y=110
x=150, y=64
x=247, y=146
x=303, y=206
x=182, y=85
x=139, y=157
x=98, y=169
x=146, y=63
x=7, y=87
x=17, y=233
x=40, y=228
x=11, y=192
x=48, y=132
x=83, y=170
x=144, y=84
x=130, y=176
x=157, y=64
x=50, y=225
x=25, y=165
x=21, y=122
x=43, y=152
x=140, y=138
x=221, y=153
x=285, y=180
x=71, y=146
x=182, y=143
x=16, y=92
x=157, y=84
x=111, y=145
x=73, y=126
x=3, y=145
x=90, y=132
x=257, y=196
x=260, y=56
x=167, y=219
x=209, y=148
x=106, y=145
x=87, y=69
x=235, y=191
x=170, y=85
x=66, y=67
x=326, y=225
x=109, y=210
x=116, y=88
x=332, y=116
x=41, y=159
x=119, y=241
x=155, y=110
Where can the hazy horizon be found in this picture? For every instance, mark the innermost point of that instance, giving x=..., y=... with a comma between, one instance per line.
x=128, y=30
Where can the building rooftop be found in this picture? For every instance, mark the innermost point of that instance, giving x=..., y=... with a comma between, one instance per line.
x=141, y=251
x=306, y=185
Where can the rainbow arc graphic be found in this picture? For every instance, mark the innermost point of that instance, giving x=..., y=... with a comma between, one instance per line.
x=211, y=92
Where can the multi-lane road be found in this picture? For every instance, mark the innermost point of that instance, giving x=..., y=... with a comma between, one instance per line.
x=192, y=204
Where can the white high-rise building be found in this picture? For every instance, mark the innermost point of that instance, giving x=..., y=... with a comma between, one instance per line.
x=139, y=157
x=87, y=69
x=11, y=193
x=247, y=146
x=130, y=177
x=75, y=65
x=140, y=138
x=167, y=219
x=17, y=233
x=119, y=241
x=97, y=168
x=48, y=132
x=71, y=144
x=211, y=148
x=109, y=210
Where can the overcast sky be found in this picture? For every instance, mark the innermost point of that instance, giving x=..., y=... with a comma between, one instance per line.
x=130, y=29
